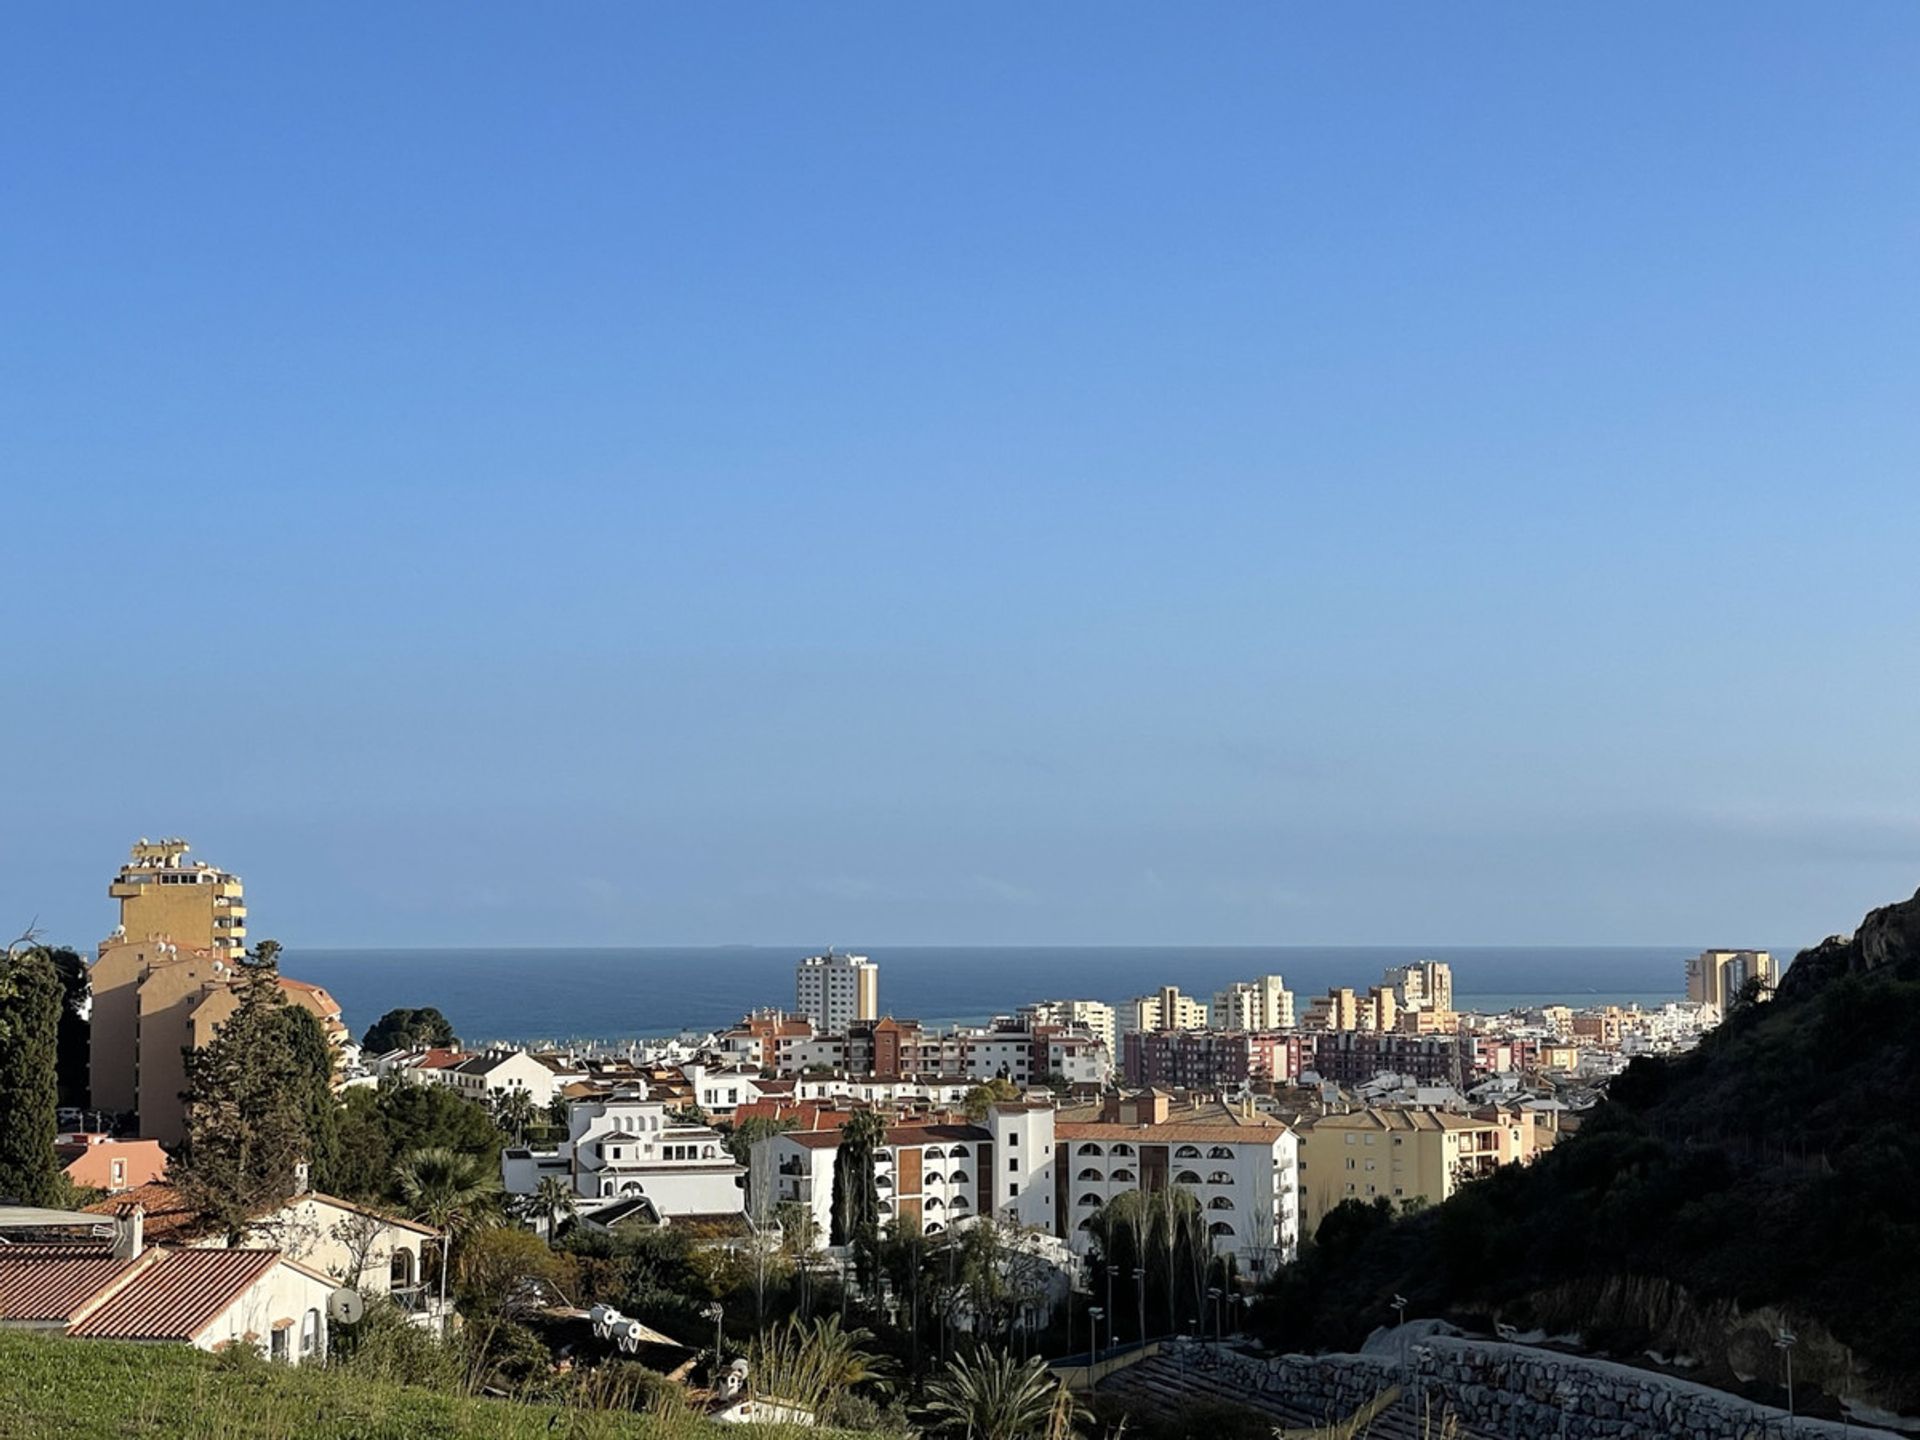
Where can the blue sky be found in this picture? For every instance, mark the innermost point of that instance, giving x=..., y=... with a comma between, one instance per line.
x=971, y=474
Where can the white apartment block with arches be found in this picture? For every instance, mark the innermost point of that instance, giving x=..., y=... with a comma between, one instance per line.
x=1244, y=1171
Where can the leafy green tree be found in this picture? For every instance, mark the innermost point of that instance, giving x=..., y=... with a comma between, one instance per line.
x=993, y=1396
x=435, y=1116
x=982, y=1098
x=362, y=1166
x=31, y=997
x=409, y=1029
x=751, y=1131
x=246, y=1125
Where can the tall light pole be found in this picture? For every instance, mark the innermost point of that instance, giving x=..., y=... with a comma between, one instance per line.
x=1784, y=1341
x=714, y=1312
x=1094, y=1312
x=1213, y=1304
x=1108, y=1267
x=1140, y=1283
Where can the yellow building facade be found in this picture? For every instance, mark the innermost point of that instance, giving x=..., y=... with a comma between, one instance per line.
x=1406, y=1156
x=163, y=982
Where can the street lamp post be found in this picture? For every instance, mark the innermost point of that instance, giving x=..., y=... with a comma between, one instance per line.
x=1094, y=1312
x=1140, y=1283
x=1784, y=1341
x=1399, y=1303
x=714, y=1312
x=1213, y=1304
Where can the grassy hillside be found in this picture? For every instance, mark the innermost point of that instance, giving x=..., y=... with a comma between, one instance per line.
x=54, y=1389
x=1773, y=1176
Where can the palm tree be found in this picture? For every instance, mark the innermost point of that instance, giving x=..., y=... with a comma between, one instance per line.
x=993, y=1396
x=812, y=1365
x=514, y=1111
x=553, y=1198
x=452, y=1191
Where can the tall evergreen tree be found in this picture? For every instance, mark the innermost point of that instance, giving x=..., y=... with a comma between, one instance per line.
x=310, y=1071
x=31, y=997
x=75, y=1033
x=856, y=1198
x=246, y=1125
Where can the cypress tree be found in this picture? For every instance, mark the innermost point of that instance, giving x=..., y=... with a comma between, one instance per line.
x=31, y=997
x=246, y=1124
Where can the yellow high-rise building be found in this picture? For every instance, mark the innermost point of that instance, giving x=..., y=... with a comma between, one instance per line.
x=178, y=946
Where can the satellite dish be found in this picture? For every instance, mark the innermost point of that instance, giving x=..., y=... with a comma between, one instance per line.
x=345, y=1306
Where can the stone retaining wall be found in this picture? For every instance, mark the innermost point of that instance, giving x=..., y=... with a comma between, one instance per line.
x=1523, y=1393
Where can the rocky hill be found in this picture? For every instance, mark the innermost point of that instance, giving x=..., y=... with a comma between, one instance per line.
x=1771, y=1177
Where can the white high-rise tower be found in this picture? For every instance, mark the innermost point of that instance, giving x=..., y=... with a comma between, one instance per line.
x=835, y=990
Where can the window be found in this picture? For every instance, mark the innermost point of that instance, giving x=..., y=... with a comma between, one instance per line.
x=1353, y=1139
x=310, y=1335
x=1187, y=1152
x=1013, y=1139
x=1220, y=1152
x=282, y=1330
x=1013, y=1162
x=1186, y=1177
x=1350, y=1163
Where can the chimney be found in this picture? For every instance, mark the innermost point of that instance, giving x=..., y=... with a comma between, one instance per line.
x=129, y=1234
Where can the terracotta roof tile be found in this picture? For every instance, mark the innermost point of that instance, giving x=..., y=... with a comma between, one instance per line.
x=177, y=1297
x=53, y=1284
x=169, y=1217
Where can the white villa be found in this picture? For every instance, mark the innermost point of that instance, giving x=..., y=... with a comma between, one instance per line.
x=625, y=1147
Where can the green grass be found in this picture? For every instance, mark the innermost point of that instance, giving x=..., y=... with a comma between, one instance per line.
x=57, y=1389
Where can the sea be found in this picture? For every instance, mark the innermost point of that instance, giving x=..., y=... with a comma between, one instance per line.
x=577, y=996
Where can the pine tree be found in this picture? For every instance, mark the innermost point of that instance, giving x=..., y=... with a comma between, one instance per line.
x=31, y=997
x=246, y=1125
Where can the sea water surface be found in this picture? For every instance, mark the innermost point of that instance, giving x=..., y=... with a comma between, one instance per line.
x=620, y=994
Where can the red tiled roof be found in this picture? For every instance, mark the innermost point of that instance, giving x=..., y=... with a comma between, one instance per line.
x=49, y=1283
x=168, y=1215
x=177, y=1297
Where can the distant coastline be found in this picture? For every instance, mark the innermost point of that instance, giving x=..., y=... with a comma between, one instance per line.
x=612, y=994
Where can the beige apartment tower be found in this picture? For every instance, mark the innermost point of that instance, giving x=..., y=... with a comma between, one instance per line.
x=1165, y=1009
x=183, y=929
x=1263, y=1004
x=1716, y=977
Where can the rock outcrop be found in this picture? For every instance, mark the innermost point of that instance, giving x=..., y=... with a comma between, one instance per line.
x=1888, y=939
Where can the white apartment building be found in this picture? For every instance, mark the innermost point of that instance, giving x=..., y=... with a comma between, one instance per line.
x=625, y=1147
x=721, y=1092
x=1092, y=1016
x=489, y=1076
x=1243, y=1169
x=1263, y=1004
x=835, y=990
